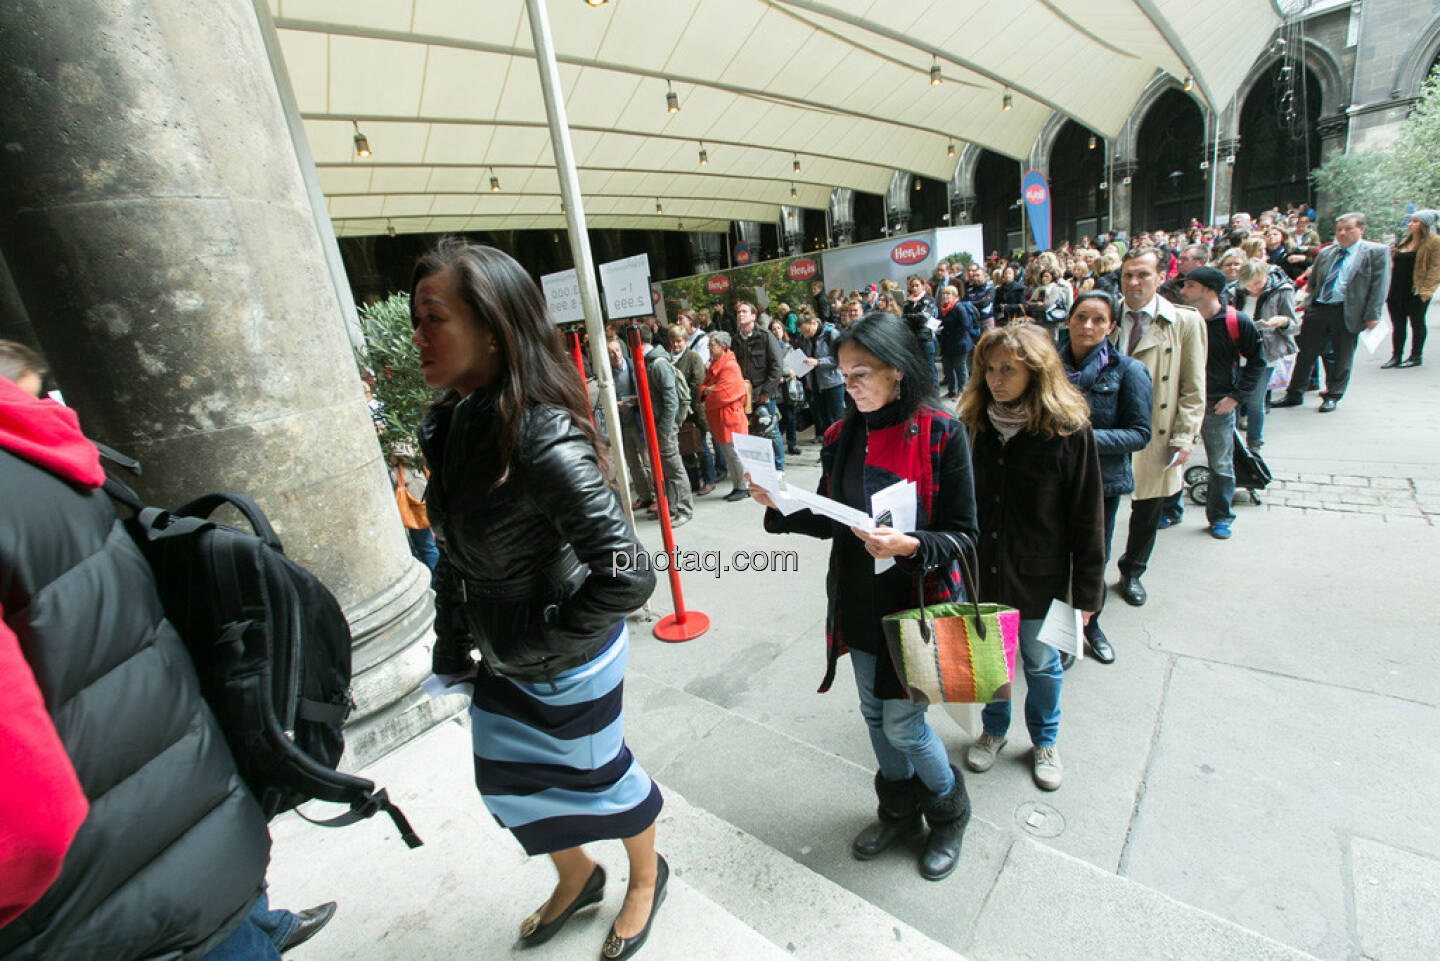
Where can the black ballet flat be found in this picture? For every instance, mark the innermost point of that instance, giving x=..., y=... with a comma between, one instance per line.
x=617, y=948
x=532, y=932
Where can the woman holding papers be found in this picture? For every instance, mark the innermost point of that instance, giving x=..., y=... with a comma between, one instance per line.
x=1042, y=538
x=895, y=432
x=723, y=392
x=529, y=531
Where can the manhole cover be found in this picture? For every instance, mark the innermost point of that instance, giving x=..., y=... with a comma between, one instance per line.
x=1038, y=819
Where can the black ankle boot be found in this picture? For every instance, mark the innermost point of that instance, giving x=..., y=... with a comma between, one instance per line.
x=1414, y=360
x=1394, y=361
x=947, y=815
x=898, y=817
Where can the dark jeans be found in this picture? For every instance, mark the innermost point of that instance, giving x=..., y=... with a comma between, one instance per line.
x=927, y=347
x=1407, y=312
x=787, y=425
x=1325, y=322
x=827, y=405
x=258, y=937
x=774, y=433
x=1144, y=514
x=955, y=366
x=422, y=548
x=700, y=466
x=1112, y=506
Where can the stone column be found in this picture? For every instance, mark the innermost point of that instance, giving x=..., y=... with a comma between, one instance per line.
x=964, y=206
x=155, y=219
x=842, y=216
x=1122, y=195
x=792, y=229
x=14, y=321
x=707, y=252
x=1333, y=131
x=1223, y=170
x=897, y=203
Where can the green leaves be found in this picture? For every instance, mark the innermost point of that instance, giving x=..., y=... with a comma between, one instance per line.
x=399, y=386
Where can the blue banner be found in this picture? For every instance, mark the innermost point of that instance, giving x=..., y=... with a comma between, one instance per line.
x=1036, y=192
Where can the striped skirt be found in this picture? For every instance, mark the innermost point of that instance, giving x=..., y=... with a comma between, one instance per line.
x=550, y=760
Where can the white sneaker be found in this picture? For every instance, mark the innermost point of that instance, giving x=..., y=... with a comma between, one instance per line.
x=981, y=755
x=1048, y=770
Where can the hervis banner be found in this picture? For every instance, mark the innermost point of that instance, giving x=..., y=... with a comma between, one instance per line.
x=1036, y=191
x=786, y=280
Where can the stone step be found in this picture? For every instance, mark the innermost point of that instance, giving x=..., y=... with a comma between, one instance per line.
x=463, y=894
x=732, y=895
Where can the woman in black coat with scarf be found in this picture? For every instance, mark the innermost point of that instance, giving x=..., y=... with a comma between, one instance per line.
x=894, y=432
x=1037, y=490
x=1117, y=388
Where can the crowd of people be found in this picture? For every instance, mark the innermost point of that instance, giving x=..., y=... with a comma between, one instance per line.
x=1023, y=398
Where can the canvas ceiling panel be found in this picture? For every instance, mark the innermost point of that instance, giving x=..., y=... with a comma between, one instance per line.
x=453, y=204
x=497, y=205
x=594, y=97
x=521, y=146
x=471, y=179
x=375, y=76
x=380, y=14
x=367, y=206
x=344, y=180
x=307, y=64
x=539, y=180
x=613, y=150
x=642, y=34
x=522, y=98
x=629, y=182
x=463, y=83
x=493, y=21
x=453, y=143
x=408, y=205
x=400, y=180
x=715, y=32
x=595, y=181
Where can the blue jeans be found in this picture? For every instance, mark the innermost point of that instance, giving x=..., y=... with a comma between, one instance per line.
x=422, y=548
x=1218, y=432
x=827, y=405
x=955, y=365
x=927, y=346
x=787, y=425
x=1254, y=409
x=259, y=936
x=904, y=744
x=716, y=455
x=774, y=433
x=1042, y=699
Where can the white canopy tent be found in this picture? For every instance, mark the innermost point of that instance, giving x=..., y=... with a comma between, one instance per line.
x=448, y=96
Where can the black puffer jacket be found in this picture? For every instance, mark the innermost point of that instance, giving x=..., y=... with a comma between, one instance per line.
x=174, y=850
x=527, y=570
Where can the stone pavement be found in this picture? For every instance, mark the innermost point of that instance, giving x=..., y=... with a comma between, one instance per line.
x=1253, y=778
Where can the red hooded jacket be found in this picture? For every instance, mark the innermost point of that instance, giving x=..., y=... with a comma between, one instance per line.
x=41, y=803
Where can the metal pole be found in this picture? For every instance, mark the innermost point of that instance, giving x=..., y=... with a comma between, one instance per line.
x=1214, y=165
x=579, y=238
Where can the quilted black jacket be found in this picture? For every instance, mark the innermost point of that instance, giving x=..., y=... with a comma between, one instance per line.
x=528, y=570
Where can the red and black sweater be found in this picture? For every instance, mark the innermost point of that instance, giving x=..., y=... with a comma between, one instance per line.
x=863, y=454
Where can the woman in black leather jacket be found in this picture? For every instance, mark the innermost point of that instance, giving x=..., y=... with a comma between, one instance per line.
x=529, y=532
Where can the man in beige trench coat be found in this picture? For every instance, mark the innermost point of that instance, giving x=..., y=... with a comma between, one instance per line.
x=1171, y=342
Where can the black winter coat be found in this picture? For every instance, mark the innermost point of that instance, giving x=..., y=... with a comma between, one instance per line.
x=527, y=571
x=1119, y=400
x=916, y=314
x=1042, y=527
x=173, y=852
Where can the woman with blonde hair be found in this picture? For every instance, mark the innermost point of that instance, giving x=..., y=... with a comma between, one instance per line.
x=1041, y=513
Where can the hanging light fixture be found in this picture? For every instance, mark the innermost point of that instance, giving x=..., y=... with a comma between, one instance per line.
x=1091, y=144
x=494, y=182
x=389, y=227
x=950, y=150
x=672, y=102
x=917, y=183
x=795, y=164
x=562, y=206
x=658, y=209
x=362, y=142
x=935, y=72
x=596, y=3
x=1189, y=83
x=792, y=191
x=704, y=156
x=1007, y=102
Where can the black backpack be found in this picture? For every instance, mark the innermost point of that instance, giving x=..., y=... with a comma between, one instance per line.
x=271, y=647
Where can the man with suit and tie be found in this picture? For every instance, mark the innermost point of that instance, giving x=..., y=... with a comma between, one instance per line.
x=1171, y=343
x=1349, y=280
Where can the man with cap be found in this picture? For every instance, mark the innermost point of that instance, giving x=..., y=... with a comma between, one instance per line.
x=1235, y=362
x=1170, y=342
x=1350, y=279
x=869, y=297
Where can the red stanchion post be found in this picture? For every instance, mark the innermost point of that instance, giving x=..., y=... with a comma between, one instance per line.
x=683, y=625
x=580, y=368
